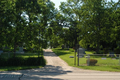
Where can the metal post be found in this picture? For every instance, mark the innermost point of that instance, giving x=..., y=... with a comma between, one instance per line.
x=119, y=59
x=75, y=58
x=78, y=56
x=88, y=62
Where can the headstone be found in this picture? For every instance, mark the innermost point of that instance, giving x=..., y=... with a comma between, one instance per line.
x=71, y=56
x=111, y=54
x=6, y=47
x=103, y=58
x=68, y=48
x=87, y=56
x=81, y=52
x=113, y=58
x=1, y=51
x=20, y=50
x=63, y=46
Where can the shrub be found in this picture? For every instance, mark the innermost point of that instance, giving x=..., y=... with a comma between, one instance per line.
x=32, y=61
x=117, y=51
x=16, y=61
x=7, y=50
x=3, y=61
x=105, y=50
x=35, y=61
x=92, y=62
x=20, y=61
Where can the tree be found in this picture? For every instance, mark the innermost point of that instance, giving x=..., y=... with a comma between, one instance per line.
x=6, y=19
x=72, y=12
x=26, y=22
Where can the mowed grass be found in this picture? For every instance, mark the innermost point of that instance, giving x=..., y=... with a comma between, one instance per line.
x=108, y=64
x=15, y=68
x=25, y=55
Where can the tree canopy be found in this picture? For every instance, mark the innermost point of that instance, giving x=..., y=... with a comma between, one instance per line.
x=38, y=24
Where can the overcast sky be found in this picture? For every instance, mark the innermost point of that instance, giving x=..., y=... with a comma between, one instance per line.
x=57, y=2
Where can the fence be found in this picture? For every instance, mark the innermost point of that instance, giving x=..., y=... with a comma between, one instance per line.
x=102, y=59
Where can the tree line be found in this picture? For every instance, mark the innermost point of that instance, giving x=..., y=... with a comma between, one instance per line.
x=38, y=24
x=96, y=24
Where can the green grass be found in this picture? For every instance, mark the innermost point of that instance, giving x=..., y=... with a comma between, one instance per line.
x=18, y=68
x=89, y=52
x=25, y=55
x=109, y=64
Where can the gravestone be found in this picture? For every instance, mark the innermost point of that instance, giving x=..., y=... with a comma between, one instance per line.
x=87, y=56
x=81, y=52
x=1, y=51
x=103, y=58
x=111, y=54
x=20, y=50
x=6, y=47
x=63, y=46
x=71, y=56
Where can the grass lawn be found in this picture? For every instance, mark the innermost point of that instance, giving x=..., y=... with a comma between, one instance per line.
x=15, y=68
x=108, y=64
x=25, y=55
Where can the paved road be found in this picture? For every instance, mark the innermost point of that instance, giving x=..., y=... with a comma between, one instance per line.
x=57, y=69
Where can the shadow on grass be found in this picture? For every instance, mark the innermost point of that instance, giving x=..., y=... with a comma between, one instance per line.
x=15, y=68
x=49, y=54
x=59, y=52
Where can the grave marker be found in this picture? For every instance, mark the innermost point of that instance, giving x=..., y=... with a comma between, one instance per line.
x=81, y=52
x=111, y=54
x=20, y=50
x=1, y=51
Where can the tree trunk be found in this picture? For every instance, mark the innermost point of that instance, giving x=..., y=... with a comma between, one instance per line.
x=98, y=48
x=14, y=49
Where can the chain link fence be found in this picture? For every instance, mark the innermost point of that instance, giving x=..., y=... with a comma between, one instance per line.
x=102, y=59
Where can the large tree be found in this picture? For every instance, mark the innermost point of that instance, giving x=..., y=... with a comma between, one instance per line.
x=72, y=12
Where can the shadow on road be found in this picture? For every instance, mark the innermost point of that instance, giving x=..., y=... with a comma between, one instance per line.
x=35, y=74
x=49, y=54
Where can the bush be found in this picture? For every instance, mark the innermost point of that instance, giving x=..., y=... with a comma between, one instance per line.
x=3, y=61
x=92, y=62
x=16, y=61
x=7, y=50
x=105, y=51
x=32, y=61
x=117, y=51
x=20, y=61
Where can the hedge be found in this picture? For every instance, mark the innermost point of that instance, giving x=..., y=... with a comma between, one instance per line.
x=20, y=61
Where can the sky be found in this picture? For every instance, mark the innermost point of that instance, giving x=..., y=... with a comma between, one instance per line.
x=57, y=2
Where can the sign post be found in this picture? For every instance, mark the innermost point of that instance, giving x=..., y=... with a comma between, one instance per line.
x=81, y=52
